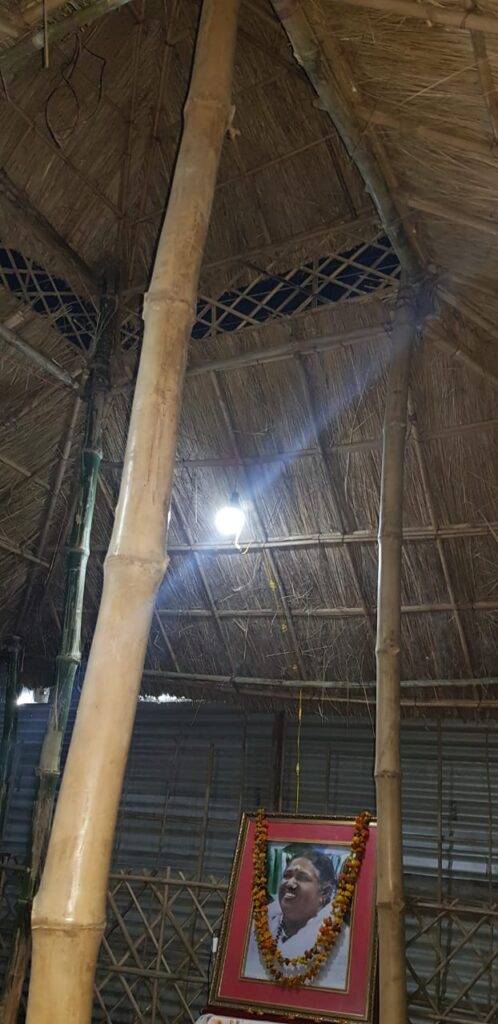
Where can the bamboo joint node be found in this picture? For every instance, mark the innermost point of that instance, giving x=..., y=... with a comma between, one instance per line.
x=65, y=926
x=154, y=566
x=164, y=297
x=398, y=906
x=209, y=102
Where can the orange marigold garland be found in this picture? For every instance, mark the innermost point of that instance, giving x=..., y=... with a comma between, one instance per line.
x=313, y=959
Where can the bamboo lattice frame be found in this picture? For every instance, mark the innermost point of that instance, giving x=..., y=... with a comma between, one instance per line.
x=154, y=962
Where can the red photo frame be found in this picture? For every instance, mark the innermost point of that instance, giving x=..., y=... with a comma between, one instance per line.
x=344, y=990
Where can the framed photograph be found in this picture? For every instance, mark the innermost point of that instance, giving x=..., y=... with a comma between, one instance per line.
x=306, y=865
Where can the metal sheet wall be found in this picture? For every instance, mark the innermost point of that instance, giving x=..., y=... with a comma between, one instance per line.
x=192, y=769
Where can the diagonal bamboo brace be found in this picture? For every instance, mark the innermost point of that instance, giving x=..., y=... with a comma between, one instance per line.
x=68, y=913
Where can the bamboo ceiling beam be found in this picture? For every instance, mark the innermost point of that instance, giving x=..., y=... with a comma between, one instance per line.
x=27, y=474
x=288, y=351
x=431, y=508
x=367, y=444
x=32, y=355
x=13, y=418
x=35, y=223
x=310, y=684
x=463, y=355
x=466, y=311
x=6, y=544
x=330, y=692
x=411, y=535
x=69, y=911
x=469, y=145
x=275, y=573
x=276, y=160
x=443, y=211
x=431, y=14
x=451, y=607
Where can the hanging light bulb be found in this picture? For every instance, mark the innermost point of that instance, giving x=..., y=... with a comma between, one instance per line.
x=229, y=520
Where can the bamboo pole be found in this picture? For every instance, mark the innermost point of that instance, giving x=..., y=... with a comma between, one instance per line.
x=390, y=899
x=12, y=691
x=67, y=663
x=68, y=912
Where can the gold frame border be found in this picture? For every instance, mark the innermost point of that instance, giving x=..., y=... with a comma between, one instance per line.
x=257, y=1009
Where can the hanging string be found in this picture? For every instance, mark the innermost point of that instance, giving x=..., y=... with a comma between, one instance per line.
x=298, y=750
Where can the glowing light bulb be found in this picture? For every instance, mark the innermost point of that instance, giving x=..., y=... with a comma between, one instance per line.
x=229, y=520
x=25, y=697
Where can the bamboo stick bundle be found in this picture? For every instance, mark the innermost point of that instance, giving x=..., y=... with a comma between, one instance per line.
x=390, y=899
x=68, y=912
x=67, y=663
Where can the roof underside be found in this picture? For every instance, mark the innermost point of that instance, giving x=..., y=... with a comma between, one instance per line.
x=298, y=270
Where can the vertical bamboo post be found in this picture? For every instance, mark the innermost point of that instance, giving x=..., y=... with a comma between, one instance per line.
x=12, y=691
x=68, y=912
x=67, y=663
x=390, y=898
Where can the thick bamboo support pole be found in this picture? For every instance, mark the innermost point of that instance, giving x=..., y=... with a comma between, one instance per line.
x=68, y=913
x=390, y=900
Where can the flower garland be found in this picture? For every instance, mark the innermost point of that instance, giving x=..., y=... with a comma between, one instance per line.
x=328, y=933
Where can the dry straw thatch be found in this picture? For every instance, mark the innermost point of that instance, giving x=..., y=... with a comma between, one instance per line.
x=93, y=161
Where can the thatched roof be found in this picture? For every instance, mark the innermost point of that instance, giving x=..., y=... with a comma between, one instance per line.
x=298, y=269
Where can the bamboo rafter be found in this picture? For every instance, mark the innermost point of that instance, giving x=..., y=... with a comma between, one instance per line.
x=451, y=607
x=411, y=535
x=341, y=448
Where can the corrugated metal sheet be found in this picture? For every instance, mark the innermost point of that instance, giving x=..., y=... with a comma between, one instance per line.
x=193, y=769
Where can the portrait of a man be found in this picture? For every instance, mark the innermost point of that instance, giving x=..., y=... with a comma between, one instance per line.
x=304, y=882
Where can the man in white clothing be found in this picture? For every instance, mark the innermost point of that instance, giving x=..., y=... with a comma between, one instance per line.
x=306, y=890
